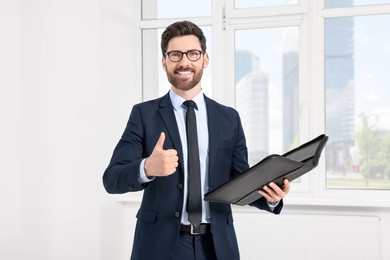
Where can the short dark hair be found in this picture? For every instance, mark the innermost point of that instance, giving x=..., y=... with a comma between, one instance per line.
x=182, y=28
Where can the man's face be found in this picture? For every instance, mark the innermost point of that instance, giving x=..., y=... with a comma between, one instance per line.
x=184, y=74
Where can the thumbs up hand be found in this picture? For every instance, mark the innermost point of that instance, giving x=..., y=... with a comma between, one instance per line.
x=161, y=162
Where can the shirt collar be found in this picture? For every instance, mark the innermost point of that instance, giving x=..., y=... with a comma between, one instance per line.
x=177, y=100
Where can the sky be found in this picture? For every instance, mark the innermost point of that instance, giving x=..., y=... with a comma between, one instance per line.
x=372, y=67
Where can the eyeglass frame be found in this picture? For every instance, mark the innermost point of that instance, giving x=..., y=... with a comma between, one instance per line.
x=182, y=54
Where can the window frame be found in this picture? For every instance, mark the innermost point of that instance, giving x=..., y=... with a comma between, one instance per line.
x=303, y=187
x=352, y=197
x=309, y=16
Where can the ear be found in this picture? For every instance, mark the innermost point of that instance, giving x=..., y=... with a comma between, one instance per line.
x=205, y=60
x=164, y=64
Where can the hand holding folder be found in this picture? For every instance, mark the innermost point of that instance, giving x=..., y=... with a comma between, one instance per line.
x=243, y=189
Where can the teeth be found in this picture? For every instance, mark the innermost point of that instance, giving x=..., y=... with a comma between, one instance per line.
x=184, y=72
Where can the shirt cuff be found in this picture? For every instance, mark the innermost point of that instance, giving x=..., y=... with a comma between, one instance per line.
x=272, y=205
x=142, y=176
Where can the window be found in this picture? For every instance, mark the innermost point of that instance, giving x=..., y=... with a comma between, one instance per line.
x=294, y=70
x=357, y=64
x=267, y=89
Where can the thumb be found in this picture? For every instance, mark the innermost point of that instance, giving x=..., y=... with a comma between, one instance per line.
x=160, y=141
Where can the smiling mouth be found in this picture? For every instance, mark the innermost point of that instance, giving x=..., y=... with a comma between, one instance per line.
x=184, y=74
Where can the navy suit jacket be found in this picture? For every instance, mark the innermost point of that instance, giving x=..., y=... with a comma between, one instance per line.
x=159, y=216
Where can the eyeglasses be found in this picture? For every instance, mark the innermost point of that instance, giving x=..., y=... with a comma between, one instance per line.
x=192, y=55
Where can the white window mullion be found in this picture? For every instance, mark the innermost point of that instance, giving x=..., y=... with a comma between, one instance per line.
x=218, y=59
x=315, y=93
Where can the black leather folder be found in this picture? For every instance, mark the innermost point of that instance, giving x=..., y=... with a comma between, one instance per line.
x=242, y=190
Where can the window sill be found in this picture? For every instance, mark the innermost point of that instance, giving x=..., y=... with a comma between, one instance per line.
x=136, y=197
x=333, y=202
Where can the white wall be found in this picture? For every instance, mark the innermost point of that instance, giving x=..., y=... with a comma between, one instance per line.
x=66, y=89
x=67, y=84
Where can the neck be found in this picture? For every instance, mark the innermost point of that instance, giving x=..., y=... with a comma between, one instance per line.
x=187, y=94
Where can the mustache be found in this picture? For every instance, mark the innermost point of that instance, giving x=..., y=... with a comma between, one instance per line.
x=182, y=68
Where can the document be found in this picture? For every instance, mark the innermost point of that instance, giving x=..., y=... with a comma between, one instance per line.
x=242, y=190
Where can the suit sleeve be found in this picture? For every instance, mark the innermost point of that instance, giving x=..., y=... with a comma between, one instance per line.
x=122, y=173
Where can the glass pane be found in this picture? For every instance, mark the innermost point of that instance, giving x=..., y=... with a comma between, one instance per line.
x=349, y=3
x=263, y=3
x=154, y=77
x=357, y=80
x=159, y=9
x=267, y=89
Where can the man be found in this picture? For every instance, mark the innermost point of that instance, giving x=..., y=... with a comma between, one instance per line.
x=155, y=156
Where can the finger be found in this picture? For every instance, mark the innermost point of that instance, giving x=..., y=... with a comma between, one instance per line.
x=171, y=152
x=170, y=169
x=171, y=160
x=160, y=141
x=175, y=164
x=274, y=186
x=286, y=187
x=278, y=190
x=271, y=190
x=266, y=196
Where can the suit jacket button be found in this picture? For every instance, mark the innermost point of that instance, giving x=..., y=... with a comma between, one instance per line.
x=177, y=214
x=180, y=186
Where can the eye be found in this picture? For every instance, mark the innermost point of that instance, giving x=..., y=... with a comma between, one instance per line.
x=175, y=55
x=193, y=54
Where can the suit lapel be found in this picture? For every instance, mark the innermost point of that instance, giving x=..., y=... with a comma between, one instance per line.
x=168, y=117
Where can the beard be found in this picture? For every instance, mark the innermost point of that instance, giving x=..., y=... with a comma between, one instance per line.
x=184, y=84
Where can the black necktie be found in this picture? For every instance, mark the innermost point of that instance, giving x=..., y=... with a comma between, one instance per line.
x=194, y=203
